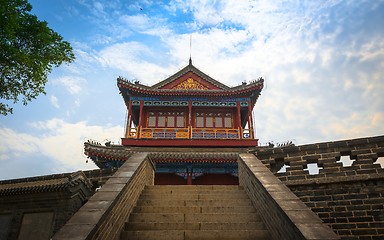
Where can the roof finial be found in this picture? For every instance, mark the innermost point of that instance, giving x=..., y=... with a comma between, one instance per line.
x=190, y=49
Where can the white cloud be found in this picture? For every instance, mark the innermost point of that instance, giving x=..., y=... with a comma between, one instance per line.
x=357, y=124
x=60, y=141
x=54, y=101
x=133, y=58
x=72, y=84
x=137, y=22
x=21, y=143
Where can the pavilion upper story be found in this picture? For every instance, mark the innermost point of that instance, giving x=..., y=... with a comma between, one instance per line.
x=189, y=109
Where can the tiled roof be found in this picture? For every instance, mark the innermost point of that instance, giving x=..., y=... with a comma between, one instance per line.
x=222, y=90
x=117, y=153
x=49, y=183
x=103, y=156
x=193, y=157
x=256, y=85
x=113, y=152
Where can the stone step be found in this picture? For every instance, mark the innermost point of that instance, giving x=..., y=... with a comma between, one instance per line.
x=192, y=203
x=193, y=226
x=193, y=209
x=198, y=235
x=194, y=212
x=194, y=217
x=180, y=191
x=193, y=196
x=194, y=187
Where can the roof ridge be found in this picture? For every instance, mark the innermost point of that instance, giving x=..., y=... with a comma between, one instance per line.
x=190, y=68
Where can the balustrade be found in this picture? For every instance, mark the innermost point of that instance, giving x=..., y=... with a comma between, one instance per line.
x=189, y=133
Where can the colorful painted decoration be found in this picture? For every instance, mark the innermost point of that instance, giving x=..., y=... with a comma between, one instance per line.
x=190, y=84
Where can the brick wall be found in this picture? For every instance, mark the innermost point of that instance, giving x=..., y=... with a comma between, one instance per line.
x=62, y=205
x=350, y=199
x=30, y=196
x=284, y=215
x=104, y=215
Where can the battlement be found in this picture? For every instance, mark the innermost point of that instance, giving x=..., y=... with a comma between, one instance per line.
x=334, y=161
x=341, y=181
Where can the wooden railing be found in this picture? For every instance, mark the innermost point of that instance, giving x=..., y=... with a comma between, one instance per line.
x=164, y=133
x=189, y=133
x=215, y=133
x=132, y=133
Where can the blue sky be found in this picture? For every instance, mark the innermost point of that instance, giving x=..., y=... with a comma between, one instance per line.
x=323, y=62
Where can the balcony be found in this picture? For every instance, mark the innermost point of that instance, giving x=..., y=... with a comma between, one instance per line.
x=189, y=137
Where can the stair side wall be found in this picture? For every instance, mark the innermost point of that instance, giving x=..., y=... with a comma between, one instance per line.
x=283, y=213
x=104, y=215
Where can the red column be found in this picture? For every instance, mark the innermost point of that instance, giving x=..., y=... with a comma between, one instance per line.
x=250, y=120
x=141, y=116
x=189, y=179
x=239, y=119
x=190, y=119
x=129, y=122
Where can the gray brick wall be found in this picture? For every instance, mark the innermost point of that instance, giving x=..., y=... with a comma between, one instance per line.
x=350, y=199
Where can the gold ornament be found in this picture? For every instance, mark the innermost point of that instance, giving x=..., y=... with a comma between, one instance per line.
x=190, y=84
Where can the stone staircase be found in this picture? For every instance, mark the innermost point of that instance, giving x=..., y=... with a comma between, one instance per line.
x=194, y=212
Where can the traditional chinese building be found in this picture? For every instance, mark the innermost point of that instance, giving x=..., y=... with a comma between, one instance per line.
x=188, y=109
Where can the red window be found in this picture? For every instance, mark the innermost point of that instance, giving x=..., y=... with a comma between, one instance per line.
x=213, y=120
x=166, y=119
